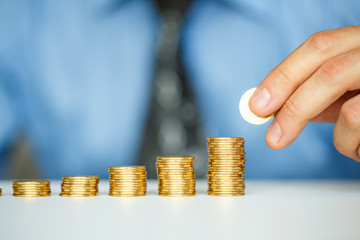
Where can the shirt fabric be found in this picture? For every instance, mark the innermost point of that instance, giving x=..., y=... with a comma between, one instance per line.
x=76, y=79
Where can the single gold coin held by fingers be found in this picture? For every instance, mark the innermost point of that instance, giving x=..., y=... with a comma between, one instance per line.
x=247, y=114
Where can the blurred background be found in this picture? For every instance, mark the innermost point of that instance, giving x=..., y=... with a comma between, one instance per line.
x=173, y=125
x=88, y=84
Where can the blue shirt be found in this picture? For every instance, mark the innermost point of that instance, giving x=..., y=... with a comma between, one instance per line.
x=76, y=78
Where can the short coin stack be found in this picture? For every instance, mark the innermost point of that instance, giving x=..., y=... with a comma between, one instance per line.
x=79, y=186
x=127, y=181
x=176, y=176
x=31, y=188
x=226, y=166
x=0, y=191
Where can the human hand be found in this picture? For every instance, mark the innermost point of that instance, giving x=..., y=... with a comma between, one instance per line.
x=319, y=82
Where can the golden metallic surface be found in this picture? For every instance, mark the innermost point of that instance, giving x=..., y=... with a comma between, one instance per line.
x=176, y=176
x=225, y=139
x=177, y=194
x=78, y=195
x=127, y=181
x=125, y=194
x=79, y=186
x=232, y=144
x=31, y=182
x=226, y=166
x=81, y=177
x=134, y=169
x=226, y=159
x=31, y=195
x=224, y=194
x=31, y=188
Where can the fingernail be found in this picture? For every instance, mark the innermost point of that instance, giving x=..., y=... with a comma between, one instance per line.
x=273, y=134
x=261, y=98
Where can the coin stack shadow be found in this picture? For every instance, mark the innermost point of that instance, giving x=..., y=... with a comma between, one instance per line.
x=176, y=176
x=127, y=181
x=226, y=166
x=31, y=188
x=79, y=186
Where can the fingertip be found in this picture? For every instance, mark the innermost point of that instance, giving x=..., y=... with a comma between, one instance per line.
x=273, y=135
x=259, y=101
x=281, y=134
x=272, y=146
x=275, y=146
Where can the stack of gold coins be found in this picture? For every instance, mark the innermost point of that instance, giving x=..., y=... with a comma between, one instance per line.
x=31, y=188
x=226, y=166
x=0, y=191
x=176, y=176
x=79, y=186
x=127, y=181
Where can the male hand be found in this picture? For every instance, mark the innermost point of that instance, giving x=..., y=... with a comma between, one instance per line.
x=319, y=82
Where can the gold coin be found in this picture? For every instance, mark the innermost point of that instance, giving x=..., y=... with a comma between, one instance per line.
x=226, y=144
x=176, y=175
x=79, y=186
x=226, y=194
x=31, y=188
x=226, y=166
x=80, y=177
x=127, y=194
x=77, y=195
x=31, y=182
x=127, y=181
x=127, y=170
x=225, y=139
x=217, y=157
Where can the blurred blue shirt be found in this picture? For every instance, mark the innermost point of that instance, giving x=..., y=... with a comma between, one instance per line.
x=76, y=78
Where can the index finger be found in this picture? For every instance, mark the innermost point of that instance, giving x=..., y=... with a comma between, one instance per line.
x=281, y=82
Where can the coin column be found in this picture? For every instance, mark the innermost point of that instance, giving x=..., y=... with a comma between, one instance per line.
x=226, y=166
x=127, y=181
x=79, y=186
x=31, y=188
x=176, y=176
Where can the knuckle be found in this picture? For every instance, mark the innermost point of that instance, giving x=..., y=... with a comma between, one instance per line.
x=333, y=68
x=338, y=146
x=285, y=79
x=322, y=41
x=346, y=150
x=292, y=109
x=350, y=114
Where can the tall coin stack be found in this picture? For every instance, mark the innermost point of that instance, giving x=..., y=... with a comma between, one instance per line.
x=31, y=188
x=79, y=186
x=176, y=176
x=127, y=181
x=226, y=166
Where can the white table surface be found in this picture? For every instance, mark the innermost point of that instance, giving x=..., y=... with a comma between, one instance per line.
x=270, y=210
